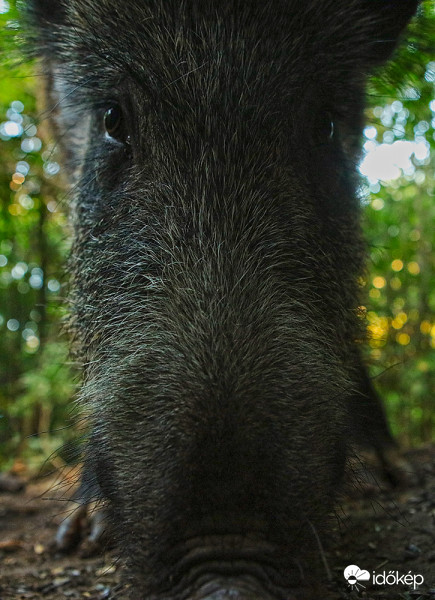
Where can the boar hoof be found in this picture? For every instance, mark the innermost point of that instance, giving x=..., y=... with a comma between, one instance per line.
x=84, y=528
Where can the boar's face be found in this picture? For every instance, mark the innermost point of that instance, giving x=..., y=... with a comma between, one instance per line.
x=211, y=148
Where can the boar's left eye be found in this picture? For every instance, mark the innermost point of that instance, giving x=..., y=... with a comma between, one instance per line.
x=114, y=124
x=324, y=128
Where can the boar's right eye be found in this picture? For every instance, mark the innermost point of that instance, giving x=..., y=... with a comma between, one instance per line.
x=114, y=124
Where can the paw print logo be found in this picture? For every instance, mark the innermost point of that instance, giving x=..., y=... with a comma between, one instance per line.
x=354, y=575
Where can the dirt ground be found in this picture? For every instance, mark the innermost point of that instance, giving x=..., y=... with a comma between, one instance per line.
x=390, y=533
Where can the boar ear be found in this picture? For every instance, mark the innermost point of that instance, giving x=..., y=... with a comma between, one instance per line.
x=42, y=20
x=46, y=24
x=46, y=12
x=386, y=19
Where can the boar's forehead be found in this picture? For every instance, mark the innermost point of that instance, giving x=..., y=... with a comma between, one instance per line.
x=259, y=66
x=285, y=44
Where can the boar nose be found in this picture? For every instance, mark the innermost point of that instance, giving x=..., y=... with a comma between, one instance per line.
x=234, y=589
x=232, y=594
x=229, y=595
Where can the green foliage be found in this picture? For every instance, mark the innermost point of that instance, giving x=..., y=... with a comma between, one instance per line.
x=399, y=227
x=37, y=383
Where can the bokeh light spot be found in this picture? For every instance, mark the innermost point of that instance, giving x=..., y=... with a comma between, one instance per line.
x=425, y=327
x=18, y=178
x=379, y=282
x=378, y=204
x=403, y=339
x=397, y=264
x=395, y=283
x=13, y=325
x=413, y=267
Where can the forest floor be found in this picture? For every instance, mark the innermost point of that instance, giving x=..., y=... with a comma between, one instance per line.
x=391, y=533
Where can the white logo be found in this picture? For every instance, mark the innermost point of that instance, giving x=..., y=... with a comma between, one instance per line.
x=354, y=575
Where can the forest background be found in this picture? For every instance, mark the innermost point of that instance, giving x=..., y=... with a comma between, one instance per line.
x=38, y=381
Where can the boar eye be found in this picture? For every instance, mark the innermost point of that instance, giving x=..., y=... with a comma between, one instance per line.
x=324, y=127
x=327, y=127
x=114, y=124
x=330, y=129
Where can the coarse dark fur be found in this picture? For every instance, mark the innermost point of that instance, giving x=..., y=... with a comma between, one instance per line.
x=214, y=271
